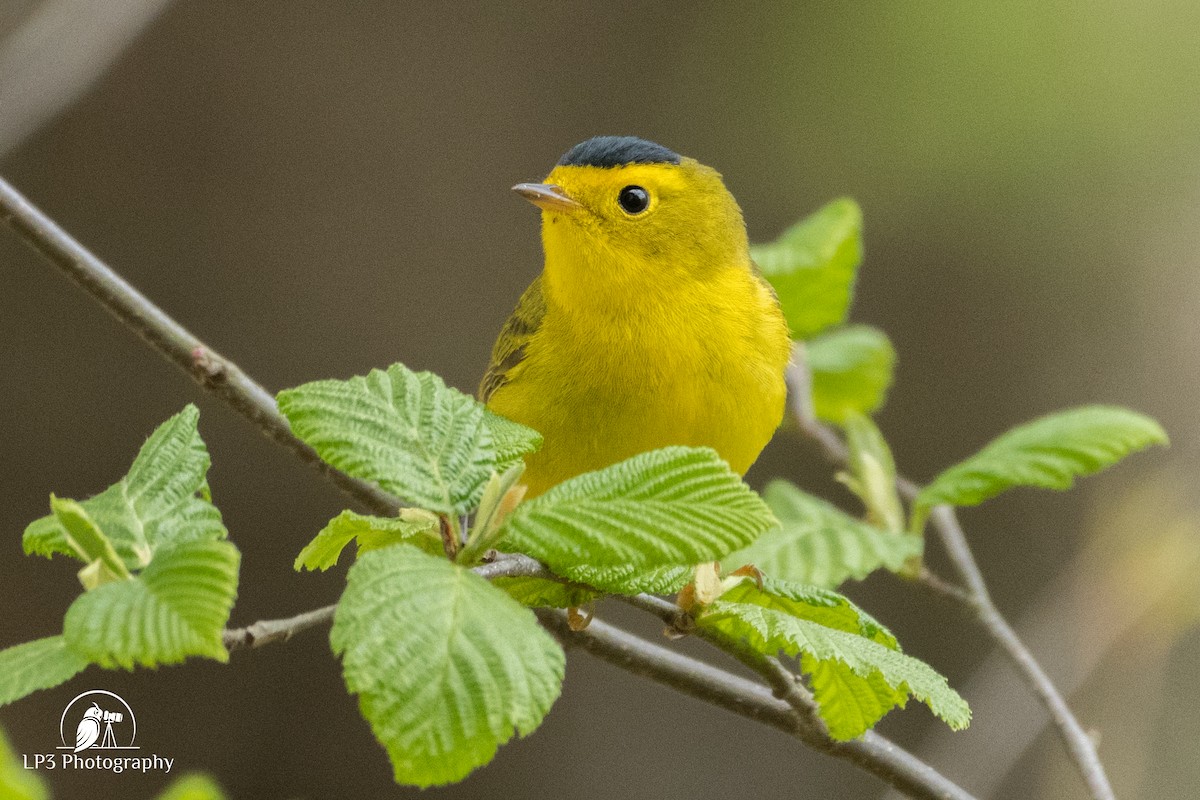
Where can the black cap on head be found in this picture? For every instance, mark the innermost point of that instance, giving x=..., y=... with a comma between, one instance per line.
x=616, y=151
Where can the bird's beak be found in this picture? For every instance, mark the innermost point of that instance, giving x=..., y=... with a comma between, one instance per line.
x=546, y=196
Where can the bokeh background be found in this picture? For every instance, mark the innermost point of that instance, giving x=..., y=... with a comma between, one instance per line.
x=320, y=188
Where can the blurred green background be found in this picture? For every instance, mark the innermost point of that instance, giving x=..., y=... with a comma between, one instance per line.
x=319, y=188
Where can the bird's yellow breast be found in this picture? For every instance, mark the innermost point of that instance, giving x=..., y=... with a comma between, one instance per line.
x=692, y=367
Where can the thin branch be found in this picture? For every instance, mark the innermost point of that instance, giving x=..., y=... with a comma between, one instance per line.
x=662, y=665
x=208, y=368
x=226, y=380
x=514, y=565
x=799, y=380
x=269, y=631
x=975, y=598
x=937, y=585
x=781, y=680
x=1078, y=742
x=872, y=752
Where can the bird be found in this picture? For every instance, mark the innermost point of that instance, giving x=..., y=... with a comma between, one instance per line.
x=649, y=324
x=88, y=730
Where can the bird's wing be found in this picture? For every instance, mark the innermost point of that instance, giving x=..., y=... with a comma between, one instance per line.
x=87, y=733
x=511, y=345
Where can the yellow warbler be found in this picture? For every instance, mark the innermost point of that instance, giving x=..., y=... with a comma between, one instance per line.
x=649, y=325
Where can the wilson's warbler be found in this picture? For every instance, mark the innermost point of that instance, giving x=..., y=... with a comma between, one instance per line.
x=649, y=325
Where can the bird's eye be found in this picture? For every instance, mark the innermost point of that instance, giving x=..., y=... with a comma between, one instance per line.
x=633, y=199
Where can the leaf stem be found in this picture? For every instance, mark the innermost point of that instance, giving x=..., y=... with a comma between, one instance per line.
x=974, y=596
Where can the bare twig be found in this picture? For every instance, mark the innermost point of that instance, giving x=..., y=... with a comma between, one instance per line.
x=1078, y=743
x=268, y=631
x=208, y=368
x=514, y=565
x=225, y=380
x=975, y=597
x=937, y=585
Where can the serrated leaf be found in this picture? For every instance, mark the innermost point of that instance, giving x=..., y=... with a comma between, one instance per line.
x=405, y=431
x=813, y=265
x=771, y=631
x=446, y=666
x=372, y=533
x=1049, y=452
x=545, y=593
x=813, y=603
x=626, y=579
x=852, y=369
x=154, y=504
x=195, y=786
x=850, y=704
x=176, y=607
x=668, y=507
x=40, y=664
x=512, y=440
x=818, y=544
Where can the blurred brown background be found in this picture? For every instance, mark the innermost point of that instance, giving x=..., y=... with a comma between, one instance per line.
x=320, y=188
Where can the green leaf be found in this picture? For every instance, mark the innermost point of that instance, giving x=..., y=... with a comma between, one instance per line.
x=407, y=432
x=673, y=506
x=89, y=543
x=500, y=495
x=194, y=786
x=16, y=782
x=812, y=266
x=40, y=664
x=156, y=503
x=414, y=526
x=850, y=704
x=512, y=440
x=852, y=369
x=1049, y=452
x=626, y=579
x=872, y=473
x=813, y=603
x=545, y=593
x=446, y=666
x=816, y=543
x=176, y=607
x=864, y=665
